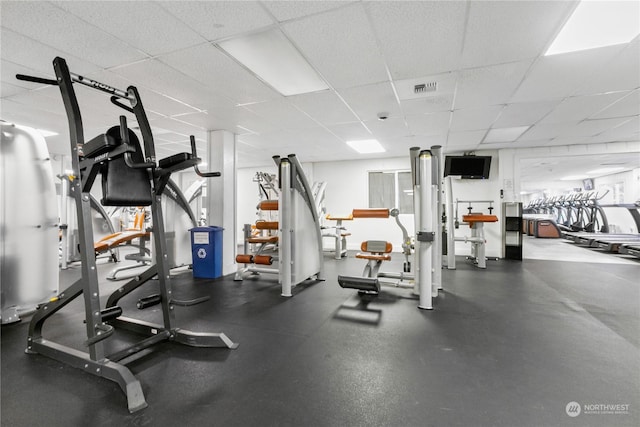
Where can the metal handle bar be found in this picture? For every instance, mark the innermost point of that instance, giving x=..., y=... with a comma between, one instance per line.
x=128, y=159
x=194, y=152
x=77, y=78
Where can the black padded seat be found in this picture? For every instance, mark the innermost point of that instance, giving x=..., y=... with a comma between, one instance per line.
x=178, y=162
x=122, y=185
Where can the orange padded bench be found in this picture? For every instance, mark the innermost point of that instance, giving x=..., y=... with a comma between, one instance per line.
x=473, y=218
x=113, y=240
x=339, y=218
x=377, y=250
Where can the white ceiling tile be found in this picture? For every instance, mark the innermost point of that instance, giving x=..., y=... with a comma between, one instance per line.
x=325, y=107
x=161, y=32
x=500, y=31
x=350, y=131
x=579, y=108
x=212, y=68
x=569, y=140
x=626, y=131
x=43, y=100
x=548, y=131
x=63, y=31
x=431, y=104
x=474, y=118
x=367, y=101
x=429, y=124
x=419, y=38
x=524, y=114
x=208, y=121
x=386, y=129
x=218, y=19
x=169, y=137
x=9, y=70
x=8, y=89
x=558, y=76
x=591, y=127
x=37, y=58
x=341, y=45
x=256, y=124
x=627, y=106
x=621, y=73
x=166, y=80
x=286, y=10
x=466, y=138
x=489, y=85
x=181, y=128
x=282, y=114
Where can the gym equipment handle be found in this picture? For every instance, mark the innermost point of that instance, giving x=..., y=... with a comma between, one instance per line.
x=195, y=155
x=107, y=332
x=34, y=79
x=124, y=135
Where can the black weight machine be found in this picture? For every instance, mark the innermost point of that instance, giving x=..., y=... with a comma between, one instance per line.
x=130, y=177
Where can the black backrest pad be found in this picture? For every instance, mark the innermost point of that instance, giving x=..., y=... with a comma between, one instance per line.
x=122, y=185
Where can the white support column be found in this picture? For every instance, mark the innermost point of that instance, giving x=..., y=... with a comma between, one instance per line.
x=414, y=152
x=425, y=241
x=437, y=171
x=284, y=218
x=221, y=192
x=451, y=230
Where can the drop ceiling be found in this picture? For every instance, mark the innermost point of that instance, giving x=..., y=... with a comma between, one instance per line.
x=485, y=58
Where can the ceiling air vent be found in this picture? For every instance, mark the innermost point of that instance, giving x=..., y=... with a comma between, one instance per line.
x=425, y=87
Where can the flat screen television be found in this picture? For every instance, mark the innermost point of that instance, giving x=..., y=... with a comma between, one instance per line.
x=587, y=184
x=469, y=167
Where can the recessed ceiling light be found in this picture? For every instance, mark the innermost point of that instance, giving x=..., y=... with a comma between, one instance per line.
x=504, y=134
x=271, y=56
x=597, y=24
x=366, y=146
x=574, y=178
x=604, y=171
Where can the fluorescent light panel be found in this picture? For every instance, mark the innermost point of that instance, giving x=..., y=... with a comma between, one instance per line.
x=366, y=146
x=276, y=61
x=596, y=24
x=504, y=134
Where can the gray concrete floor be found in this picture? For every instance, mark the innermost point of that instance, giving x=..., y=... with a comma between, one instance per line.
x=508, y=346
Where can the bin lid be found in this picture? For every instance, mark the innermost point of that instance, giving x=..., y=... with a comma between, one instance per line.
x=207, y=228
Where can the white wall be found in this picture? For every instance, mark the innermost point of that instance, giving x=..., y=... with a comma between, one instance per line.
x=348, y=189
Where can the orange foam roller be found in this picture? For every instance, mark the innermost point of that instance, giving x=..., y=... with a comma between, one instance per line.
x=244, y=259
x=263, y=259
x=370, y=213
x=267, y=225
x=268, y=205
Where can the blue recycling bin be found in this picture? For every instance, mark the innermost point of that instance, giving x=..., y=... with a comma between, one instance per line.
x=206, y=252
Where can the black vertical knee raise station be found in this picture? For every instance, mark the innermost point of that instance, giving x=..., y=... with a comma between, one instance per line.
x=130, y=177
